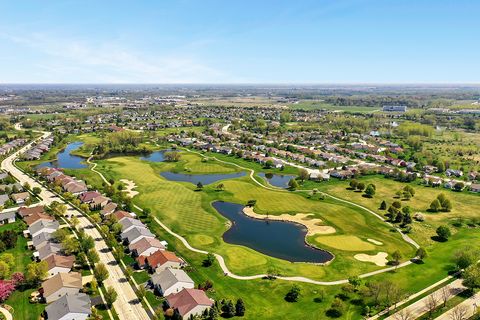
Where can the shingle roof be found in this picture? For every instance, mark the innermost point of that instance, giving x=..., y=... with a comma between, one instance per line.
x=187, y=299
x=169, y=277
x=76, y=303
x=62, y=280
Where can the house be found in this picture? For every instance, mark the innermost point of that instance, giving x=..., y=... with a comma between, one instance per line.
x=119, y=215
x=319, y=176
x=70, y=307
x=99, y=202
x=20, y=197
x=3, y=199
x=59, y=264
x=31, y=219
x=60, y=285
x=171, y=281
x=475, y=187
x=189, y=302
x=109, y=208
x=87, y=197
x=75, y=187
x=160, y=260
x=129, y=223
x=135, y=234
x=146, y=247
x=47, y=250
x=452, y=172
x=43, y=226
x=7, y=217
x=27, y=211
x=41, y=239
x=395, y=108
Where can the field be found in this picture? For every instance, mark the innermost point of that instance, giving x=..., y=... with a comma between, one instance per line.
x=320, y=105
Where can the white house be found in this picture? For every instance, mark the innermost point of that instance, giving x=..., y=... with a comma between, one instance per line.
x=171, y=281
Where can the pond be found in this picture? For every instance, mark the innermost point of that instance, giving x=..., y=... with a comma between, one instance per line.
x=65, y=159
x=203, y=178
x=279, y=239
x=277, y=180
x=157, y=156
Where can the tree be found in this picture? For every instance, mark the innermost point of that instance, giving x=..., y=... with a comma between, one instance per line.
x=336, y=308
x=220, y=187
x=228, y=309
x=146, y=212
x=36, y=271
x=431, y=303
x=396, y=257
x=370, y=191
x=404, y=314
x=421, y=253
x=360, y=186
x=383, y=205
x=293, y=184
x=209, y=260
x=353, y=184
x=100, y=272
x=239, y=308
x=459, y=186
x=172, y=156
x=4, y=270
x=460, y=312
x=6, y=289
x=70, y=246
x=466, y=257
x=471, y=277
x=141, y=292
x=268, y=164
x=110, y=296
x=435, y=205
x=293, y=294
x=303, y=174
x=92, y=256
x=443, y=232
x=36, y=190
x=445, y=293
x=199, y=186
x=355, y=281
x=74, y=222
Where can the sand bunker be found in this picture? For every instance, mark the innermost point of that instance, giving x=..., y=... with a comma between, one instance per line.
x=313, y=225
x=378, y=243
x=380, y=259
x=129, y=186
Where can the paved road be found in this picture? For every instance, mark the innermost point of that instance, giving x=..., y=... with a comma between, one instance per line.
x=6, y=313
x=127, y=305
x=471, y=306
x=419, y=308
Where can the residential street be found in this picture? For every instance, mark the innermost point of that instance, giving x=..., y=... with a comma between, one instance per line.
x=127, y=305
x=471, y=306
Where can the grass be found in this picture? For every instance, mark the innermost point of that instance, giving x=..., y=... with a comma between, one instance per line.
x=190, y=214
x=319, y=105
x=141, y=277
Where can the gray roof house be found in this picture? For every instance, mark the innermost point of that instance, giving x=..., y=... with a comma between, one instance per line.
x=47, y=250
x=136, y=233
x=43, y=226
x=129, y=223
x=41, y=239
x=171, y=281
x=7, y=217
x=3, y=198
x=71, y=306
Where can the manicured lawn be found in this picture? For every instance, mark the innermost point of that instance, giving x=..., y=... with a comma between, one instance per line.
x=141, y=277
x=190, y=213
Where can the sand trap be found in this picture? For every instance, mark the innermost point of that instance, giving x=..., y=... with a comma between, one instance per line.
x=378, y=243
x=313, y=225
x=380, y=259
x=129, y=186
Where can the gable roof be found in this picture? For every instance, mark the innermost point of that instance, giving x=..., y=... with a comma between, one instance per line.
x=62, y=280
x=31, y=219
x=89, y=196
x=145, y=243
x=43, y=224
x=26, y=211
x=158, y=258
x=129, y=222
x=41, y=238
x=187, y=299
x=49, y=249
x=20, y=196
x=76, y=303
x=135, y=233
x=119, y=215
x=169, y=277
x=56, y=260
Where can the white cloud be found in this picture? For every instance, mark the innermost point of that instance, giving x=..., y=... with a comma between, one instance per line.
x=71, y=60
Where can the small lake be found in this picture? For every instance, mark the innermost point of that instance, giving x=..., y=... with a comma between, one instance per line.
x=157, y=156
x=203, y=178
x=277, y=180
x=65, y=159
x=279, y=239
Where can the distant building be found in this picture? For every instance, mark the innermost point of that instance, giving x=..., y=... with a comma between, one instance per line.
x=395, y=108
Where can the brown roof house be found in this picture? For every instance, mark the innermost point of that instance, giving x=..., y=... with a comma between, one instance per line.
x=189, y=302
x=60, y=285
x=59, y=264
x=27, y=211
x=160, y=260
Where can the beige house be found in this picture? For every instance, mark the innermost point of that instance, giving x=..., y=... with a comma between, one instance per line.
x=60, y=285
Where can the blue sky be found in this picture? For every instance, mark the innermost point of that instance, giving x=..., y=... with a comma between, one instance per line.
x=263, y=41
